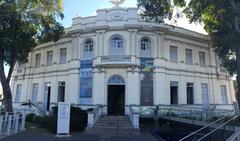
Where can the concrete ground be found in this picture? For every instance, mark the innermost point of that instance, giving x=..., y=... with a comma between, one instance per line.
x=42, y=135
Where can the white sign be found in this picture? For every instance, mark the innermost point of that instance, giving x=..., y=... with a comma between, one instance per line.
x=63, y=122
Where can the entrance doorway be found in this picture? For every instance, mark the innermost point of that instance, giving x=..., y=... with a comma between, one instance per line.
x=116, y=95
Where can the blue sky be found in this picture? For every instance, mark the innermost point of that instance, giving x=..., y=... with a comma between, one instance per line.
x=85, y=8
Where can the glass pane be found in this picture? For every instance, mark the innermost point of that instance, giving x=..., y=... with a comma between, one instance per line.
x=63, y=56
x=146, y=48
x=224, y=94
x=34, y=93
x=202, y=59
x=189, y=57
x=18, y=93
x=116, y=45
x=37, y=61
x=173, y=54
x=49, y=57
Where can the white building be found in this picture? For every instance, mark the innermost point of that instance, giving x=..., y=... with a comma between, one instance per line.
x=117, y=59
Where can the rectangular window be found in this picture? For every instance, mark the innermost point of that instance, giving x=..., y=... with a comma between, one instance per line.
x=205, y=97
x=202, y=58
x=20, y=67
x=34, y=93
x=38, y=60
x=49, y=58
x=190, y=93
x=224, y=94
x=174, y=92
x=18, y=93
x=63, y=56
x=61, y=91
x=189, y=59
x=173, y=54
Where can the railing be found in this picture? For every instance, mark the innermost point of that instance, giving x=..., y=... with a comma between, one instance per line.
x=226, y=129
x=94, y=115
x=236, y=137
x=134, y=117
x=11, y=123
x=189, y=113
x=199, y=133
x=107, y=59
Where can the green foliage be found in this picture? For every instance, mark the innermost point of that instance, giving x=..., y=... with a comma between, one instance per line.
x=31, y=117
x=24, y=24
x=157, y=10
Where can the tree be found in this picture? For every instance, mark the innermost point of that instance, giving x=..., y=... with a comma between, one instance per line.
x=221, y=19
x=23, y=25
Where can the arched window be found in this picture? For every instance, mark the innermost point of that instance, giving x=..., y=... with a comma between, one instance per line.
x=116, y=45
x=88, y=49
x=146, y=48
x=116, y=80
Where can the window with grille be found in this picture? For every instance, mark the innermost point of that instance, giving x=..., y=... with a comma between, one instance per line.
x=116, y=80
x=146, y=48
x=116, y=45
x=88, y=49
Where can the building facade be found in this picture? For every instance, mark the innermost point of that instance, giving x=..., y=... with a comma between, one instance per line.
x=117, y=58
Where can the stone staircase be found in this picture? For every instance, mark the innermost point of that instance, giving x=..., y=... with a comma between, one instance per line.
x=113, y=125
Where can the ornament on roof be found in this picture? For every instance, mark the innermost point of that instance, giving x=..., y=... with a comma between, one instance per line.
x=117, y=2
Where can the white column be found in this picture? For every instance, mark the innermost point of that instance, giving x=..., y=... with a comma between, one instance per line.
x=104, y=48
x=101, y=43
x=72, y=85
x=135, y=43
x=160, y=88
x=155, y=45
x=162, y=47
x=97, y=46
x=78, y=47
x=99, y=87
x=133, y=87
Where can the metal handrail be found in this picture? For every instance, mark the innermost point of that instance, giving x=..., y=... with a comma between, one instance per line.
x=218, y=127
x=235, y=136
x=206, y=126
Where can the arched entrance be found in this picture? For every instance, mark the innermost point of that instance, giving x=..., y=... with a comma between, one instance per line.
x=116, y=95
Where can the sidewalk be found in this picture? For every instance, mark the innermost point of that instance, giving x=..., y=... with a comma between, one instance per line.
x=41, y=135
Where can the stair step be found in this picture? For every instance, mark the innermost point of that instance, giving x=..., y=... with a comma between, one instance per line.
x=112, y=125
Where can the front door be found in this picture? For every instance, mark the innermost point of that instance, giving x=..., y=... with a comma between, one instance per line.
x=116, y=99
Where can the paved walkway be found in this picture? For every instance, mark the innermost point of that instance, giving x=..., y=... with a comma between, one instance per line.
x=41, y=135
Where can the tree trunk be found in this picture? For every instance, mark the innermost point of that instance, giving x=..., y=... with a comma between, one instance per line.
x=238, y=76
x=7, y=97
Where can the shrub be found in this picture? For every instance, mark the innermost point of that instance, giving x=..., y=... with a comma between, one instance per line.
x=78, y=119
x=31, y=117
